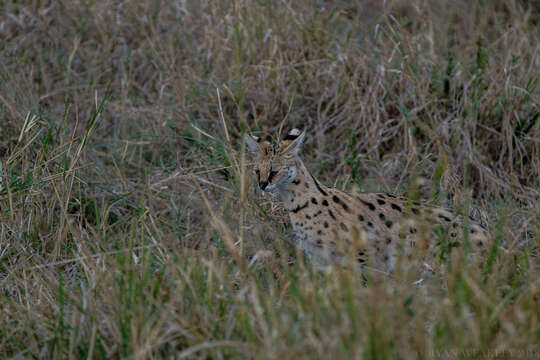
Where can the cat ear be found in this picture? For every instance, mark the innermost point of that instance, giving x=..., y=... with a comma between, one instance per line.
x=292, y=142
x=252, y=143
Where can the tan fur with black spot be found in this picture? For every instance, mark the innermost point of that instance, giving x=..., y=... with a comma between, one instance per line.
x=374, y=229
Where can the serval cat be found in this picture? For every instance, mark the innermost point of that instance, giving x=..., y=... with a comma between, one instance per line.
x=332, y=226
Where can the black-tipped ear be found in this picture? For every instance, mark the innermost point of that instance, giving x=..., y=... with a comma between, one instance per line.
x=293, y=134
x=292, y=142
x=252, y=143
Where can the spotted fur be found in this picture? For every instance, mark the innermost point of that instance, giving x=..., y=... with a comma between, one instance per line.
x=373, y=229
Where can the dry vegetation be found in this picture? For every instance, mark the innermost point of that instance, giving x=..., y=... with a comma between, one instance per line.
x=129, y=224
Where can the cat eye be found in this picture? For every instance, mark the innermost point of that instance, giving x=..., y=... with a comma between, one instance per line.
x=272, y=174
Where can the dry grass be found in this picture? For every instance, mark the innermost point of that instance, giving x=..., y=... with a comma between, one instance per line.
x=129, y=227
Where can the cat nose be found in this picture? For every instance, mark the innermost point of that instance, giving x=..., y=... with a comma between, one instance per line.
x=263, y=184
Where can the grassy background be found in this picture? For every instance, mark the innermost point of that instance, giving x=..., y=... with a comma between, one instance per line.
x=129, y=223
